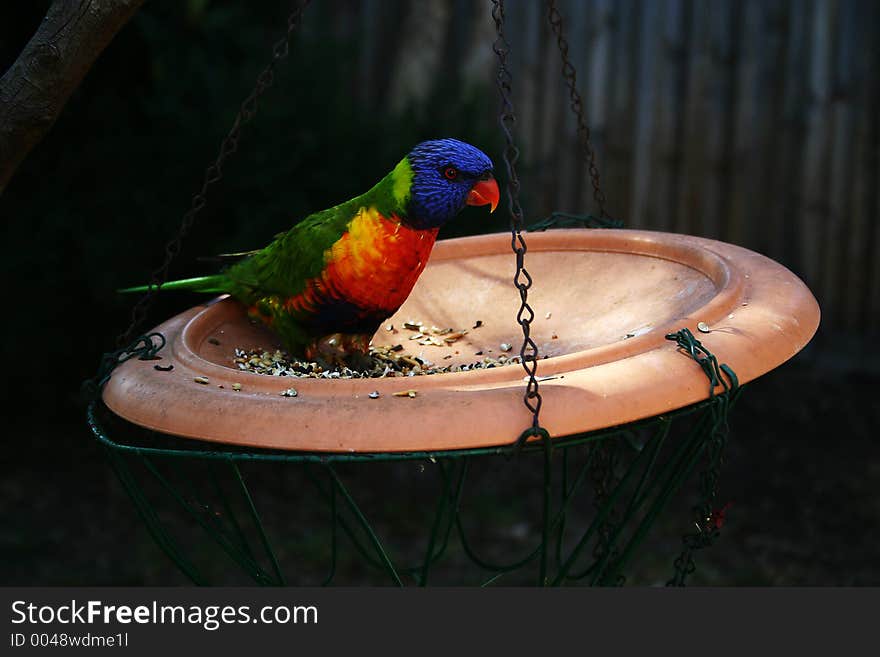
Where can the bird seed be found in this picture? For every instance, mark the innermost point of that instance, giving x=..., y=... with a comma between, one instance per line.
x=383, y=362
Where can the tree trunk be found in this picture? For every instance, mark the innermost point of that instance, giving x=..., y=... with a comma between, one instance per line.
x=36, y=87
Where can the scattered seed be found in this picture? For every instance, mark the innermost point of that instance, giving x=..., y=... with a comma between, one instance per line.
x=505, y=346
x=478, y=323
x=406, y=393
x=213, y=340
x=383, y=362
x=163, y=368
x=389, y=327
x=548, y=315
x=554, y=337
x=236, y=386
x=478, y=353
x=413, y=326
x=703, y=327
x=374, y=394
x=290, y=392
x=201, y=379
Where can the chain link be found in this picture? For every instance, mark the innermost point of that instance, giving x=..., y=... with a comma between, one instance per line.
x=213, y=173
x=522, y=279
x=708, y=520
x=577, y=106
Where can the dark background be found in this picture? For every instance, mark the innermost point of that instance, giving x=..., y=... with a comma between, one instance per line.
x=92, y=206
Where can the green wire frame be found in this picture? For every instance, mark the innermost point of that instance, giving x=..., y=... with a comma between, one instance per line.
x=636, y=494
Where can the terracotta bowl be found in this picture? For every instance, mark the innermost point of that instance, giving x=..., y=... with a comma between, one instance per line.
x=603, y=299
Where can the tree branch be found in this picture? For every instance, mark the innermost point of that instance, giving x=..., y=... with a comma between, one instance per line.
x=36, y=87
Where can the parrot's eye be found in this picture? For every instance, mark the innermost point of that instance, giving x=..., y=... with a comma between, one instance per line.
x=450, y=173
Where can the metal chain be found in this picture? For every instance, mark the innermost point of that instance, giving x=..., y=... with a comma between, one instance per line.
x=577, y=106
x=143, y=347
x=213, y=173
x=522, y=279
x=603, y=475
x=708, y=520
x=602, y=471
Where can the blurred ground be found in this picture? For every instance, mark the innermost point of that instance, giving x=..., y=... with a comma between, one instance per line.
x=802, y=474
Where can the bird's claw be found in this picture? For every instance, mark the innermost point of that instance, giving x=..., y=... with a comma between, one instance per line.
x=341, y=350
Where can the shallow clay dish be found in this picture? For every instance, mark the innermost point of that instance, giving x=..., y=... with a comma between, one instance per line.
x=603, y=299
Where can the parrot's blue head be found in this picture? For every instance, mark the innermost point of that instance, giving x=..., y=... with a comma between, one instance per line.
x=446, y=175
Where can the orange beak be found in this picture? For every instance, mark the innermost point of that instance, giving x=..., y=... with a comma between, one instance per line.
x=485, y=192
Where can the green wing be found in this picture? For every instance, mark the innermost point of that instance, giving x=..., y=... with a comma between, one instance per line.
x=295, y=256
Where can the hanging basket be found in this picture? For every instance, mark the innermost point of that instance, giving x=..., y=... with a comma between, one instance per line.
x=605, y=303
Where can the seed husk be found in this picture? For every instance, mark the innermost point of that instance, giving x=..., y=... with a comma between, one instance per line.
x=703, y=327
x=406, y=393
x=290, y=392
x=201, y=379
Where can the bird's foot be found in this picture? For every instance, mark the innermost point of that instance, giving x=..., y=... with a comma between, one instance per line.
x=341, y=350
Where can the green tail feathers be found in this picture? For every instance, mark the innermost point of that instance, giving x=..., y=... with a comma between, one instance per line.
x=216, y=284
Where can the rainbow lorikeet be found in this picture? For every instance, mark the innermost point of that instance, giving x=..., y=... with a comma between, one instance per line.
x=326, y=285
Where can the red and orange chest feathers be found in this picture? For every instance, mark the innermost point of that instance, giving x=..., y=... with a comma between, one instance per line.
x=374, y=265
